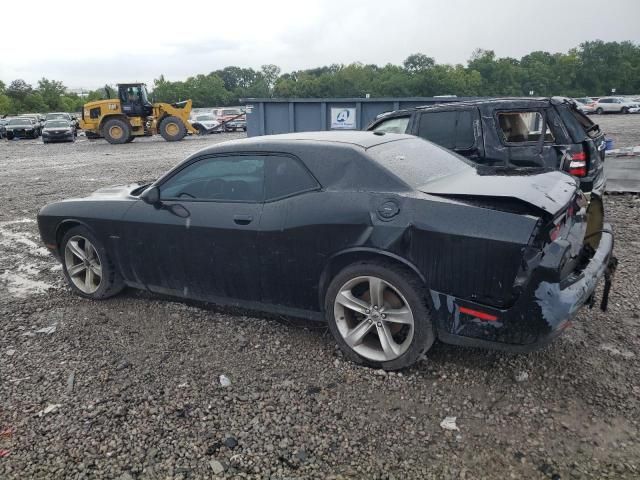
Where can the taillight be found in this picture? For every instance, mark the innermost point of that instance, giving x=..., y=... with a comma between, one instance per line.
x=578, y=164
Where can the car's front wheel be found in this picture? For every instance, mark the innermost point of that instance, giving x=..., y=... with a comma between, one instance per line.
x=599, y=111
x=87, y=265
x=379, y=316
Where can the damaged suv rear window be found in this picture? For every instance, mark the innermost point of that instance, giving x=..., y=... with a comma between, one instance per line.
x=416, y=161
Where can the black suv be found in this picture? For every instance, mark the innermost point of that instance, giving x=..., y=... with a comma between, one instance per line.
x=520, y=133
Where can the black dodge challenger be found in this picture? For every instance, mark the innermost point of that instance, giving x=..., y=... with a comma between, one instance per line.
x=389, y=238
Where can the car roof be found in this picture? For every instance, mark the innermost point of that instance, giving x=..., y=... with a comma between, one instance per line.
x=505, y=102
x=350, y=138
x=338, y=159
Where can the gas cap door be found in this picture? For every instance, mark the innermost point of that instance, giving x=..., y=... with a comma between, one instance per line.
x=388, y=209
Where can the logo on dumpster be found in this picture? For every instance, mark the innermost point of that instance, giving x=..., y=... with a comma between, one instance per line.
x=343, y=118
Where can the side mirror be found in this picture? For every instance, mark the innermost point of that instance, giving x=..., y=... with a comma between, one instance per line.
x=151, y=195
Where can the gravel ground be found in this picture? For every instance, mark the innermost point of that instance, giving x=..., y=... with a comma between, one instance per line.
x=129, y=388
x=624, y=130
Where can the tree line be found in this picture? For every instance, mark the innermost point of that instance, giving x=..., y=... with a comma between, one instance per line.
x=592, y=68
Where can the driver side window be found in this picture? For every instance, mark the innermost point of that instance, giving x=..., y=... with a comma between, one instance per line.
x=233, y=178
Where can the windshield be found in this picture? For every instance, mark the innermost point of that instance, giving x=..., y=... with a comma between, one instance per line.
x=56, y=124
x=231, y=111
x=19, y=121
x=204, y=118
x=51, y=116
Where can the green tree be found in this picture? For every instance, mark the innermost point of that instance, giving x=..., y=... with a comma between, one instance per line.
x=52, y=92
x=5, y=104
x=18, y=90
x=418, y=62
x=270, y=74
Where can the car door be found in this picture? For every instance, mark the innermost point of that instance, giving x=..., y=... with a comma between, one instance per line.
x=210, y=251
x=520, y=138
x=289, y=235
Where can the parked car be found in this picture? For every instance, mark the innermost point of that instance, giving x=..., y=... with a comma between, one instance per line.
x=392, y=240
x=585, y=104
x=59, y=130
x=63, y=115
x=22, y=127
x=205, y=123
x=616, y=105
x=37, y=119
x=235, y=118
x=508, y=133
x=3, y=122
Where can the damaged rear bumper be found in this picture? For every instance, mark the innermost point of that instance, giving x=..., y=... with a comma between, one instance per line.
x=543, y=311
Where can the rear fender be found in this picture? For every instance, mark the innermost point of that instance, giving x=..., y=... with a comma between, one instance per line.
x=341, y=259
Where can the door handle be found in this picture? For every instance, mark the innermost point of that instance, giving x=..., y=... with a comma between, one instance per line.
x=242, y=219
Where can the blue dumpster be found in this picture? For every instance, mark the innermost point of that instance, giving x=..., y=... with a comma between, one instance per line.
x=268, y=116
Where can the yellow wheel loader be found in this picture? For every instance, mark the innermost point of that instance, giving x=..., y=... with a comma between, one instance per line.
x=131, y=115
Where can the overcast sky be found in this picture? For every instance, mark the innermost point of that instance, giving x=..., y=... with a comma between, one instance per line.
x=87, y=44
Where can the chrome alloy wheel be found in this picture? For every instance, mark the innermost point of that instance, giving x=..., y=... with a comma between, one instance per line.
x=374, y=318
x=83, y=265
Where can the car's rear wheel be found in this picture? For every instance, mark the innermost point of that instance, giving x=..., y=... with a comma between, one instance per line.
x=87, y=265
x=624, y=110
x=599, y=111
x=379, y=316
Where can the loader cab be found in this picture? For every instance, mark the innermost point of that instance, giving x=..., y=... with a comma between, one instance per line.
x=134, y=100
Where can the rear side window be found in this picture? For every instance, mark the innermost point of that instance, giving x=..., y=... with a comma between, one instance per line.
x=286, y=176
x=393, y=125
x=452, y=130
x=521, y=127
x=590, y=128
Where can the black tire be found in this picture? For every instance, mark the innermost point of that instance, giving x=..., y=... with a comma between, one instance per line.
x=45, y=141
x=172, y=129
x=116, y=131
x=10, y=136
x=624, y=110
x=111, y=282
x=201, y=130
x=599, y=111
x=410, y=287
x=131, y=138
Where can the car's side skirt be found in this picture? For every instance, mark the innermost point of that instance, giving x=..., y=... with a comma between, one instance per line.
x=233, y=302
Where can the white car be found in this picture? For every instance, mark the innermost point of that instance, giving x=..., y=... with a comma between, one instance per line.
x=585, y=104
x=616, y=105
x=205, y=123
